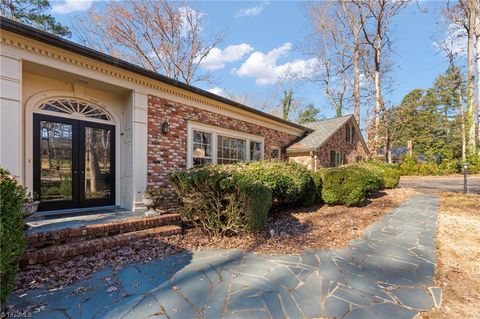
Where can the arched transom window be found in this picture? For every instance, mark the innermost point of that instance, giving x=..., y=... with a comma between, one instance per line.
x=76, y=108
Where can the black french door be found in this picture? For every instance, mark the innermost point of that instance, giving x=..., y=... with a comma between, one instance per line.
x=73, y=162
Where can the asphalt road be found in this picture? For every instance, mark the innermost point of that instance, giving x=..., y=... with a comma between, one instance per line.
x=437, y=184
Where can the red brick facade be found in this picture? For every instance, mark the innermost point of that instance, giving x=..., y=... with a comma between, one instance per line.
x=167, y=153
x=338, y=143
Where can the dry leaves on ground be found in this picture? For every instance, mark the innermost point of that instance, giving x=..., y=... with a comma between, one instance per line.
x=458, y=257
x=295, y=230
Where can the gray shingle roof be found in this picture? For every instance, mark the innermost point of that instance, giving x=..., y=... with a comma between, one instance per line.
x=322, y=132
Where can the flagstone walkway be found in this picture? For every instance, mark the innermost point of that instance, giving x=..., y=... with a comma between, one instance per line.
x=388, y=273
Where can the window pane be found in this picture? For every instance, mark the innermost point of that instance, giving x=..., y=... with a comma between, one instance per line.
x=231, y=150
x=56, y=161
x=274, y=153
x=255, y=151
x=202, y=148
x=97, y=163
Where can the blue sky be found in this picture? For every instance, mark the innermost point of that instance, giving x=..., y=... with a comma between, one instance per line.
x=253, y=29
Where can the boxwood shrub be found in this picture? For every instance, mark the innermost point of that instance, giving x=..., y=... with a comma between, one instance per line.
x=290, y=182
x=389, y=174
x=217, y=199
x=348, y=185
x=12, y=231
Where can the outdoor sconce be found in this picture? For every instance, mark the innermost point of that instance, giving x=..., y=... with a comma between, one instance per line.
x=165, y=127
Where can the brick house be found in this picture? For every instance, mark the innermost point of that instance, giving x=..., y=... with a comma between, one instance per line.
x=333, y=142
x=84, y=129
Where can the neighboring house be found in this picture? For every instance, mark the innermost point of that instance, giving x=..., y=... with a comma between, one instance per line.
x=83, y=129
x=333, y=142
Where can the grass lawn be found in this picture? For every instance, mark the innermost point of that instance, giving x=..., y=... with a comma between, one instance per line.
x=458, y=256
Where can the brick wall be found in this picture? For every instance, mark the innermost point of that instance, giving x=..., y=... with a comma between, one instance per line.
x=338, y=143
x=167, y=153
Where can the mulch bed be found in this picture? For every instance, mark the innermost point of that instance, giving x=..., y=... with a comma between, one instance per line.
x=295, y=230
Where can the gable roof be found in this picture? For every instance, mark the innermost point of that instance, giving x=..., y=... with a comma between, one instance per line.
x=322, y=132
x=56, y=41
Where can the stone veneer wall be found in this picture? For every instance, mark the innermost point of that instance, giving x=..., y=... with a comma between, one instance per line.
x=167, y=153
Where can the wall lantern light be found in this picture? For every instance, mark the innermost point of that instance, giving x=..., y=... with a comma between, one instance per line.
x=165, y=127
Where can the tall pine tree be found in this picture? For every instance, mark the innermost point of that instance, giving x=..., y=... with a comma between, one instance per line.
x=32, y=12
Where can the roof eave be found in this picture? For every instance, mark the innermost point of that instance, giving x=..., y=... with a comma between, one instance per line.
x=45, y=37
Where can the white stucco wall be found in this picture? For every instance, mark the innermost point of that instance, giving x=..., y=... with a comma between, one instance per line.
x=36, y=89
x=11, y=135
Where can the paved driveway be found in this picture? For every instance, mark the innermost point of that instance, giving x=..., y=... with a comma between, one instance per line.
x=388, y=273
x=437, y=184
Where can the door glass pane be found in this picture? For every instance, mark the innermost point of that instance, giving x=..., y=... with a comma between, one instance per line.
x=56, y=161
x=97, y=163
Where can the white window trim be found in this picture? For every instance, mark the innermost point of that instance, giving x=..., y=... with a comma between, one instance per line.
x=279, y=152
x=215, y=131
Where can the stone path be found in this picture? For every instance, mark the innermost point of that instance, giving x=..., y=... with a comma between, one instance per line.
x=388, y=273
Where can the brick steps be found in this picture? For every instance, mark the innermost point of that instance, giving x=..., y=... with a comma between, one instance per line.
x=63, y=252
x=94, y=231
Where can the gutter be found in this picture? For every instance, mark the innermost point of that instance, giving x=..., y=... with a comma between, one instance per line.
x=48, y=38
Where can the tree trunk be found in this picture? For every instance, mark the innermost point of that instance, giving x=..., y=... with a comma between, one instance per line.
x=477, y=41
x=388, y=150
x=470, y=116
x=378, y=100
x=356, y=83
x=462, y=123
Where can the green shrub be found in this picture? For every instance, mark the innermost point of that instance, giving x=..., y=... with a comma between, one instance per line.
x=348, y=185
x=426, y=169
x=409, y=166
x=449, y=167
x=388, y=173
x=218, y=199
x=12, y=232
x=289, y=182
x=474, y=165
x=317, y=179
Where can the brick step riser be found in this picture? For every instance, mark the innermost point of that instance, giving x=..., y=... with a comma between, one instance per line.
x=73, y=235
x=56, y=254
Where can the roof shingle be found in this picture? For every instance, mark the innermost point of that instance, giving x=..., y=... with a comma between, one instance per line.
x=323, y=130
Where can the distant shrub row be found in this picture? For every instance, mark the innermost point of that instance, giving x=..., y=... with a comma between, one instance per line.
x=226, y=199
x=411, y=167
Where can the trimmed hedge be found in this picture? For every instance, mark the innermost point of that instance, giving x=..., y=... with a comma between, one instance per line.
x=389, y=174
x=12, y=231
x=348, y=185
x=290, y=182
x=219, y=200
x=235, y=198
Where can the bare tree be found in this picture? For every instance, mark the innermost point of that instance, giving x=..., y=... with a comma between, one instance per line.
x=376, y=31
x=161, y=36
x=448, y=48
x=351, y=11
x=477, y=44
x=336, y=41
x=463, y=14
x=286, y=103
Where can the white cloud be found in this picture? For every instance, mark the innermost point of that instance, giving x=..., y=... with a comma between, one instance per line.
x=189, y=17
x=217, y=58
x=218, y=91
x=252, y=11
x=69, y=6
x=264, y=68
